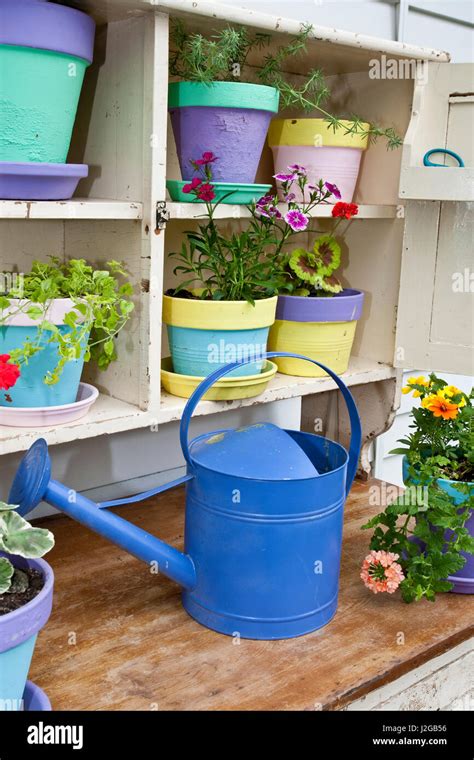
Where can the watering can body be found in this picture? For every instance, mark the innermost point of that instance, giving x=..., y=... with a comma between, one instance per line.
x=266, y=552
x=263, y=525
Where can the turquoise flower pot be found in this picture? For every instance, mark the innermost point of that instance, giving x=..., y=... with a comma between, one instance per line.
x=45, y=49
x=30, y=390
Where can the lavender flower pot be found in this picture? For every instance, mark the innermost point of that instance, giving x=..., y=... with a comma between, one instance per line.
x=231, y=119
x=463, y=579
x=320, y=328
x=18, y=632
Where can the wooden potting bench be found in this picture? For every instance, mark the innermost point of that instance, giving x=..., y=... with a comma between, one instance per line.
x=119, y=639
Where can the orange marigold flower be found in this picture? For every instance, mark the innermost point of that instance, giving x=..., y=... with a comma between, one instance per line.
x=381, y=572
x=440, y=406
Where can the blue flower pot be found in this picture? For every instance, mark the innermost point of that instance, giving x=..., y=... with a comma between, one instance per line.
x=206, y=335
x=30, y=390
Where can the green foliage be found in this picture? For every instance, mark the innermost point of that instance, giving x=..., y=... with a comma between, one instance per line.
x=438, y=448
x=249, y=264
x=316, y=268
x=223, y=55
x=102, y=307
x=19, y=538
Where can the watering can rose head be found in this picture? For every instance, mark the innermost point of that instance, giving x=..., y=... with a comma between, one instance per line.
x=20, y=539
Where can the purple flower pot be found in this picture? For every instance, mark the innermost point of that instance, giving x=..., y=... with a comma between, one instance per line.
x=18, y=632
x=230, y=119
x=320, y=328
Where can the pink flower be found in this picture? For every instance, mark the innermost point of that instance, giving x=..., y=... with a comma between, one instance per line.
x=333, y=189
x=265, y=200
x=297, y=169
x=381, y=572
x=195, y=182
x=281, y=177
x=269, y=211
x=207, y=158
x=296, y=220
x=206, y=192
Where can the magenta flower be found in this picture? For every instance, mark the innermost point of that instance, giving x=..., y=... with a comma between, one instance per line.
x=333, y=189
x=195, y=182
x=206, y=192
x=207, y=158
x=290, y=197
x=270, y=211
x=298, y=169
x=265, y=200
x=296, y=220
x=285, y=177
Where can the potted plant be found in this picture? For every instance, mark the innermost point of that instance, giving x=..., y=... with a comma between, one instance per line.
x=52, y=320
x=215, y=107
x=224, y=307
x=428, y=532
x=317, y=317
x=26, y=596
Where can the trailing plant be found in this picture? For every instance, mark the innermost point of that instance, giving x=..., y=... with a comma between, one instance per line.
x=102, y=306
x=19, y=538
x=424, y=529
x=223, y=54
x=250, y=264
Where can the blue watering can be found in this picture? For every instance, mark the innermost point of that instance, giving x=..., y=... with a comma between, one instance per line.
x=263, y=528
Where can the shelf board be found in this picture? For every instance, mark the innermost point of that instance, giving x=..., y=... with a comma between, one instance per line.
x=108, y=415
x=230, y=211
x=77, y=208
x=281, y=387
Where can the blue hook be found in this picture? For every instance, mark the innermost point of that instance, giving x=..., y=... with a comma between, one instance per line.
x=427, y=162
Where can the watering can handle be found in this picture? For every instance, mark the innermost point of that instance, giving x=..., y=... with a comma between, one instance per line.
x=356, y=431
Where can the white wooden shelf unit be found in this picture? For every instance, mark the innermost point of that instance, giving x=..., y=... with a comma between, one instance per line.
x=122, y=132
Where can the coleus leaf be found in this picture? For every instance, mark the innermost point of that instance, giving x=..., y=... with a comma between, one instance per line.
x=305, y=266
x=18, y=537
x=330, y=284
x=4, y=507
x=6, y=574
x=328, y=254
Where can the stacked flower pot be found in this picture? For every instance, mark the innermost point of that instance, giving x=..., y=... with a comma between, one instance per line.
x=45, y=50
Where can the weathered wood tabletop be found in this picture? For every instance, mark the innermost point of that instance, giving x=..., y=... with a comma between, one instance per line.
x=118, y=638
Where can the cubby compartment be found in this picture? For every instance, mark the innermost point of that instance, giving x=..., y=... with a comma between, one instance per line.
x=122, y=209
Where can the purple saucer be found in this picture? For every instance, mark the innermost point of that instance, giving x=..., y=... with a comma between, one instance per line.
x=35, y=699
x=31, y=181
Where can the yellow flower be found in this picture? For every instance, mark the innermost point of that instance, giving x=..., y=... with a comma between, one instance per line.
x=421, y=380
x=450, y=390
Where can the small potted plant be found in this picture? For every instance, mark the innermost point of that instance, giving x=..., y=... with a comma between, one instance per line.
x=229, y=293
x=52, y=320
x=423, y=542
x=26, y=597
x=317, y=317
x=222, y=105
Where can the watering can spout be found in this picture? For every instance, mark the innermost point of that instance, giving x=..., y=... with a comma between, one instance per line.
x=33, y=484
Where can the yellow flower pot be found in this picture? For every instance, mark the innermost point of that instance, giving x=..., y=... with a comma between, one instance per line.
x=320, y=328
x=205, y=335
